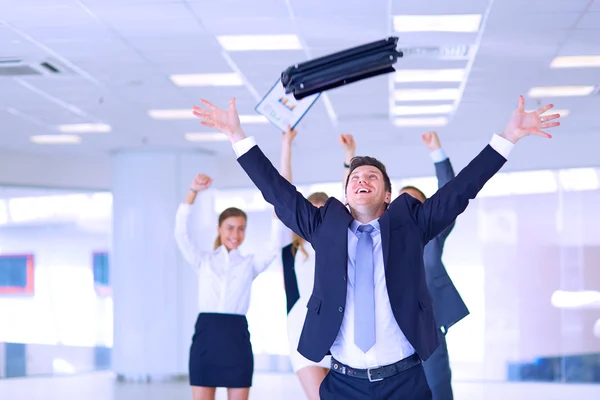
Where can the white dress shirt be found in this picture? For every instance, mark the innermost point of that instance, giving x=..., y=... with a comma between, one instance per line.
x=391, y=345
x=225, y=278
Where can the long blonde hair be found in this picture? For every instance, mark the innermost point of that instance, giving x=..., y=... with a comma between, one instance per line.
x=297, y=241
x=230, y=212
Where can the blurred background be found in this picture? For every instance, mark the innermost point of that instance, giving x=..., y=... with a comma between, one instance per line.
x=98, y=146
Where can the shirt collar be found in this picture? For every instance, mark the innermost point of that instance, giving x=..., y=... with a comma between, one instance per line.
x=223, y=250
x=355, y=224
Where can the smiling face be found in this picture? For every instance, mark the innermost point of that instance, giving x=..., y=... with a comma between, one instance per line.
x=368, y=188
x=231, y=228
x=232, y=232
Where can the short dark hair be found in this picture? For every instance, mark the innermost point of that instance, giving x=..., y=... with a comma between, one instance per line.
x=415, y=189
x=361, y=161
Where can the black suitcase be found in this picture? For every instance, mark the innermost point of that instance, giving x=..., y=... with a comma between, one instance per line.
x=341, y=68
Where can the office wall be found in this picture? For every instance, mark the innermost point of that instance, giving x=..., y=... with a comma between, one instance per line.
x=524, y=256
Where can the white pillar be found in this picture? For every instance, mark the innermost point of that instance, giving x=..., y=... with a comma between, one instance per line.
x=155, y=292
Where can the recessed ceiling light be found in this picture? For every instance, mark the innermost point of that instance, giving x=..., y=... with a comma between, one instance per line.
x=55, y=139
x=437, y=23
x=414, y=122
x=187, y=114
x=430, y=75
x=253, y=119
x=420, y=110
x=259, y=42
x=227, y=79
x=562, y=113
x=172, y=114
x=561, y=91
x=84, y=128
x=206, y=137
x=425, y=94
x=575, y=62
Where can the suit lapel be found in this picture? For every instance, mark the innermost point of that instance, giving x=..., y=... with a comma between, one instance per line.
x=384, y=224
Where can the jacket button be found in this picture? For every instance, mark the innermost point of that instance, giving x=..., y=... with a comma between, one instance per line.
x=341, y=309
x=344, y=277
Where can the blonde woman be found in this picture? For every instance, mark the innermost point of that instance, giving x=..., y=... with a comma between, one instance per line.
x=298, y=259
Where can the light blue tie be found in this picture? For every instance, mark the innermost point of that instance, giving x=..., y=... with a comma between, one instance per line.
x=364, y=291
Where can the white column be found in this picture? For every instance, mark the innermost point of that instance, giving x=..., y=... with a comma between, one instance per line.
x=155, y=292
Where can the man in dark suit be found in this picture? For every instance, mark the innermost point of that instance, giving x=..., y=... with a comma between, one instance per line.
x=448, y=306
x=370, y=305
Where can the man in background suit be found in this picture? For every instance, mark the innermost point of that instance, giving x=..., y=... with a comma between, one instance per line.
x=448, y=306
x=370, y=305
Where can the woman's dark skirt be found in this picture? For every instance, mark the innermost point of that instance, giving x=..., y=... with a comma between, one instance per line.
x=221, y=353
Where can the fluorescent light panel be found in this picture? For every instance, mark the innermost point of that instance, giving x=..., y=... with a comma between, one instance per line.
x=414, y=122
x=253, y=119
x=259, y=42
x=437, y=23
x=84, y=128
x=225, y=79
x=430, y=75
x=561, y=91
x=421, y=110
x=425, y=94
x=55, y=139
x=187, y=114
x=576, y=62
x=205, y=137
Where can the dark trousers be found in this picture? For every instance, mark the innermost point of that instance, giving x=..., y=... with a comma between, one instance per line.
x=438, y=373
x=407, y=385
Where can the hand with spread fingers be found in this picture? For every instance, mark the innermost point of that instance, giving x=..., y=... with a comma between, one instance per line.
x=524, y=123
x=227, y=122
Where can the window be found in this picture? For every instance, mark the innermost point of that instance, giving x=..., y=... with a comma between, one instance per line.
x=101, y=273
x=16, y=274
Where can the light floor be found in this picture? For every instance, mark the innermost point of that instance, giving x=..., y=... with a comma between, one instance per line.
x=102, y=385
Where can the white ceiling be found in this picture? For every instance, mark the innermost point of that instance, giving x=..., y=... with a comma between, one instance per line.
x=121, y=53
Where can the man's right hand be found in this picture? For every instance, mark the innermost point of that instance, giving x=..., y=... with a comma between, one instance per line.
x=431, y=140
x=201, y=182
x=227, y=122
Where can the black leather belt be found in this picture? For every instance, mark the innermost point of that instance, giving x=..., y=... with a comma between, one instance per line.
x=376, y=374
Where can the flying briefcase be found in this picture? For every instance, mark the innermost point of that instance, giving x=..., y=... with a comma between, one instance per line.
x=341, y=68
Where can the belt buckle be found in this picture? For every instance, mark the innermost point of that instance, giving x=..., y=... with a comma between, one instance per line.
x=369, y=375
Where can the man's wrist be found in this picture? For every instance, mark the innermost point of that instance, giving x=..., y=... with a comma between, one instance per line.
x=237, y=135
x=511, y=138
x=438, y=155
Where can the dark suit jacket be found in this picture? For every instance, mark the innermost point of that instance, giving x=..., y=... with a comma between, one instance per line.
x=448, y=306
x=406, y=227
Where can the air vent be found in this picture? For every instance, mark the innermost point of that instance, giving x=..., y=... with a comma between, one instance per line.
x=442, y=53
x=17, y=67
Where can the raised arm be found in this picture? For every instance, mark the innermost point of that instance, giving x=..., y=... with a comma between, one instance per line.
x=443, y=169
x=285, y=169
x=187, y=244
x=291, y=207
x=349, y=146
x=437, y=212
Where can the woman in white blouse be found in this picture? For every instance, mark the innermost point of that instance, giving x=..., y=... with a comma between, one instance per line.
x=221, y=353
